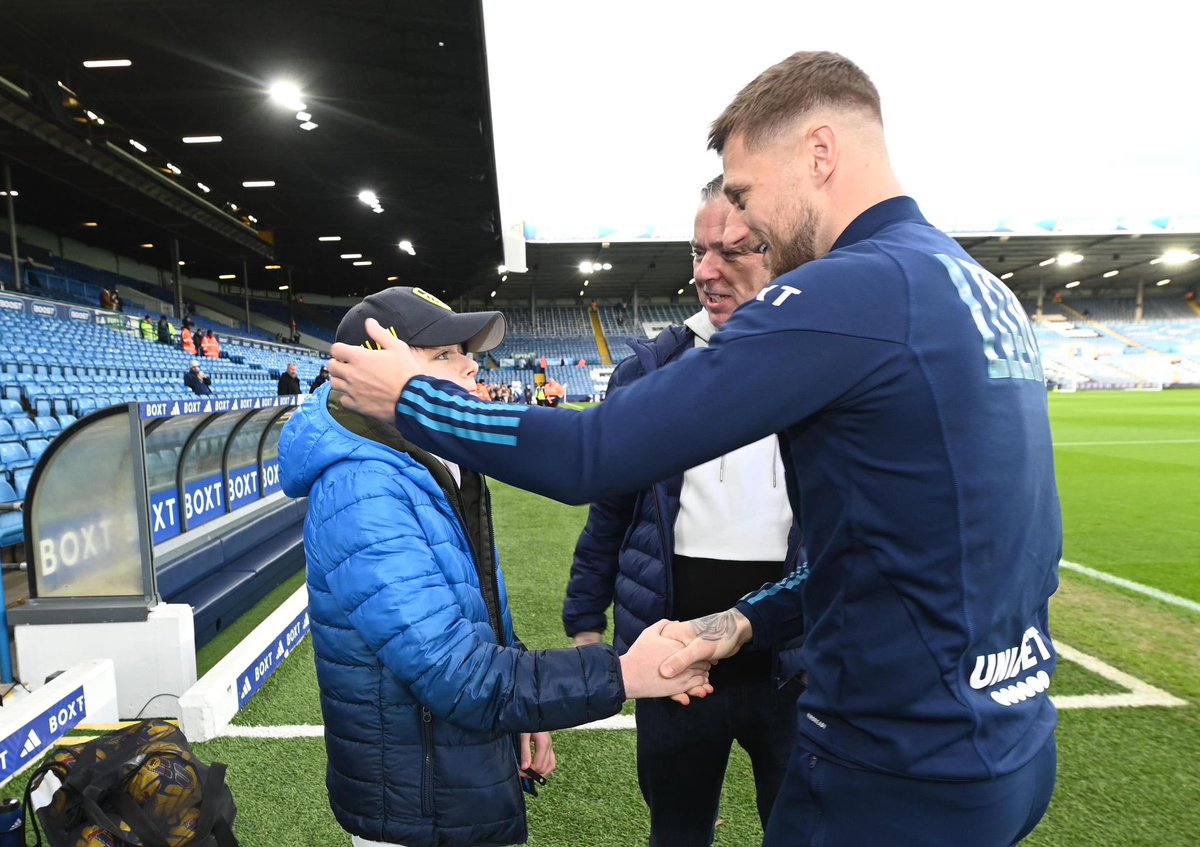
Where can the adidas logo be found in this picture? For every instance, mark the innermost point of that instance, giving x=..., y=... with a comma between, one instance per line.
x=32, y=743
x=245, y=685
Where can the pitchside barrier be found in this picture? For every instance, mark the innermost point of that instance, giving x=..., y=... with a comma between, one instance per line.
x=208, y=706
x=29, y=726
x=149, y=528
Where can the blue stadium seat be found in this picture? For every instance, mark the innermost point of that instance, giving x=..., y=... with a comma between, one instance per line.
x=12, y=524
x=48, y=425
x=14, y=456
x=65, y=420
x=24, y=428
x=36, y=447
x=6, y=431
x=11, y=409
x=21, y=480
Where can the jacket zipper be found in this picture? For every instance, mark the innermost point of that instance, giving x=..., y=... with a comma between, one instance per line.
x=491, y=594
x=427, y=765
x=487, y=585
x=668, y=551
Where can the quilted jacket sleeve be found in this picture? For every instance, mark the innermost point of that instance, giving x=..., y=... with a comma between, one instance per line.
x=390, y=582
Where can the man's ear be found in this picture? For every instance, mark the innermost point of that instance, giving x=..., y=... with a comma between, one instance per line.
x=821, y=152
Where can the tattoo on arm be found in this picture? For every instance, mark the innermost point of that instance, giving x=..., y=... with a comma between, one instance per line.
x=716, y=627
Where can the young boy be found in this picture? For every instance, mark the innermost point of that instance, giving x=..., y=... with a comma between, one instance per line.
x=423, y=682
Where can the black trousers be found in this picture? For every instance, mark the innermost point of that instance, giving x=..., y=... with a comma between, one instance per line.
x=683, y=752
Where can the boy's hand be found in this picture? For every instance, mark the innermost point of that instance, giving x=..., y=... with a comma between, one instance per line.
x=372, y=380
x=640, y=669
x=537, y=753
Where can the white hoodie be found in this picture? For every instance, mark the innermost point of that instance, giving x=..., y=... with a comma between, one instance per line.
x=734, y=507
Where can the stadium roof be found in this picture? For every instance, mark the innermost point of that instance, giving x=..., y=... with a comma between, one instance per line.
x=398, y=93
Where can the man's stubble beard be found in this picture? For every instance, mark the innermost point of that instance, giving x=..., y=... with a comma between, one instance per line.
x=795, y=246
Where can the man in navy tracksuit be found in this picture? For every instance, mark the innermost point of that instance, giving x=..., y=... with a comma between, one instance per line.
x=907, y=389
x=688, y=546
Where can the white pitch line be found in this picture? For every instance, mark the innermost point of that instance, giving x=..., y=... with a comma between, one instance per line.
x=1110, y=443
x=293, y=731
x=1139, y=693
x=1174, y=600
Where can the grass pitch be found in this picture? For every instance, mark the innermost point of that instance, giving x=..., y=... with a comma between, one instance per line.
x=1129, y=476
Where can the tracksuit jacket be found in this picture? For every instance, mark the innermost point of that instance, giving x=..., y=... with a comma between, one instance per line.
x=422, y=680
x=906, y=386
x=624, y=554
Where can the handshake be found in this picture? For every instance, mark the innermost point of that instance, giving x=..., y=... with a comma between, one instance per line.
x=672, y=658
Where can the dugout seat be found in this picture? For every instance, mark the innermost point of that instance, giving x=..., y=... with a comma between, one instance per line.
x=224, y=577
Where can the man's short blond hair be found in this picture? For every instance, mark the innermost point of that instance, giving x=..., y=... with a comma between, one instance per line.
x=790, y=90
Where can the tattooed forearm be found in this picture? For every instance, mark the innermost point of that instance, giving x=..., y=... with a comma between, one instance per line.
x=716, y=627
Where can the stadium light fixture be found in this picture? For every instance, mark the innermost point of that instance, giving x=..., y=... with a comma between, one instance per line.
x=369, y=197
x=680, y=291
x=585, y=267
x=303, y=116
x=392, y=278
x=283, y=288
x=309, y=126
x=146, y=246
x=1073, y=284
x=287, y=94
x=329, y=238
x=362, y=264
x=351, y=256
x=272, y=267
x=174, y=169
x=1046, y=262
x=1067, y=259
x=1008, y=275
x=1176, y=257
x=502, y=269
x=259, y=183
x=203, y=187
x=1110, y=274
x=227, y=276
x=137, y=145
x=1163, y=282
x=10, y=194
x=202, y=139
x=407, y=247
x=91, y=224
x=493, y=294
x=107, y=63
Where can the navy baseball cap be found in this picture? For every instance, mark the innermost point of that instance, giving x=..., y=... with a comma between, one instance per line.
x=422, y=320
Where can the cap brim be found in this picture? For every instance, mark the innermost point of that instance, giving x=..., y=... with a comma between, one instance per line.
x=477, y=332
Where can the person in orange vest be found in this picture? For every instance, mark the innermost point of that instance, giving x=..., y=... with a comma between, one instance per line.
x=543, y=363
x=556, y=392
x=189, y=344
x=210, y=346
x=481, y=391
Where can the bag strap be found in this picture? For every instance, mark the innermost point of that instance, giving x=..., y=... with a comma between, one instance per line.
x=216, y=809
x=31, y=819
x=149, y=832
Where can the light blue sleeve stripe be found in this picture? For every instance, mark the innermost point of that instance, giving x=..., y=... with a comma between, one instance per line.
x=463, y=417
x=462, y=402
x=793, y=581
x=459, y=432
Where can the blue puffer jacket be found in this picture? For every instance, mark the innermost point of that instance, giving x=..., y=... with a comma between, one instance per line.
x=410, y=622
x=624, y=554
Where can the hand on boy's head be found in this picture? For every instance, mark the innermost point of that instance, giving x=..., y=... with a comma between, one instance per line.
x=372, y=380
